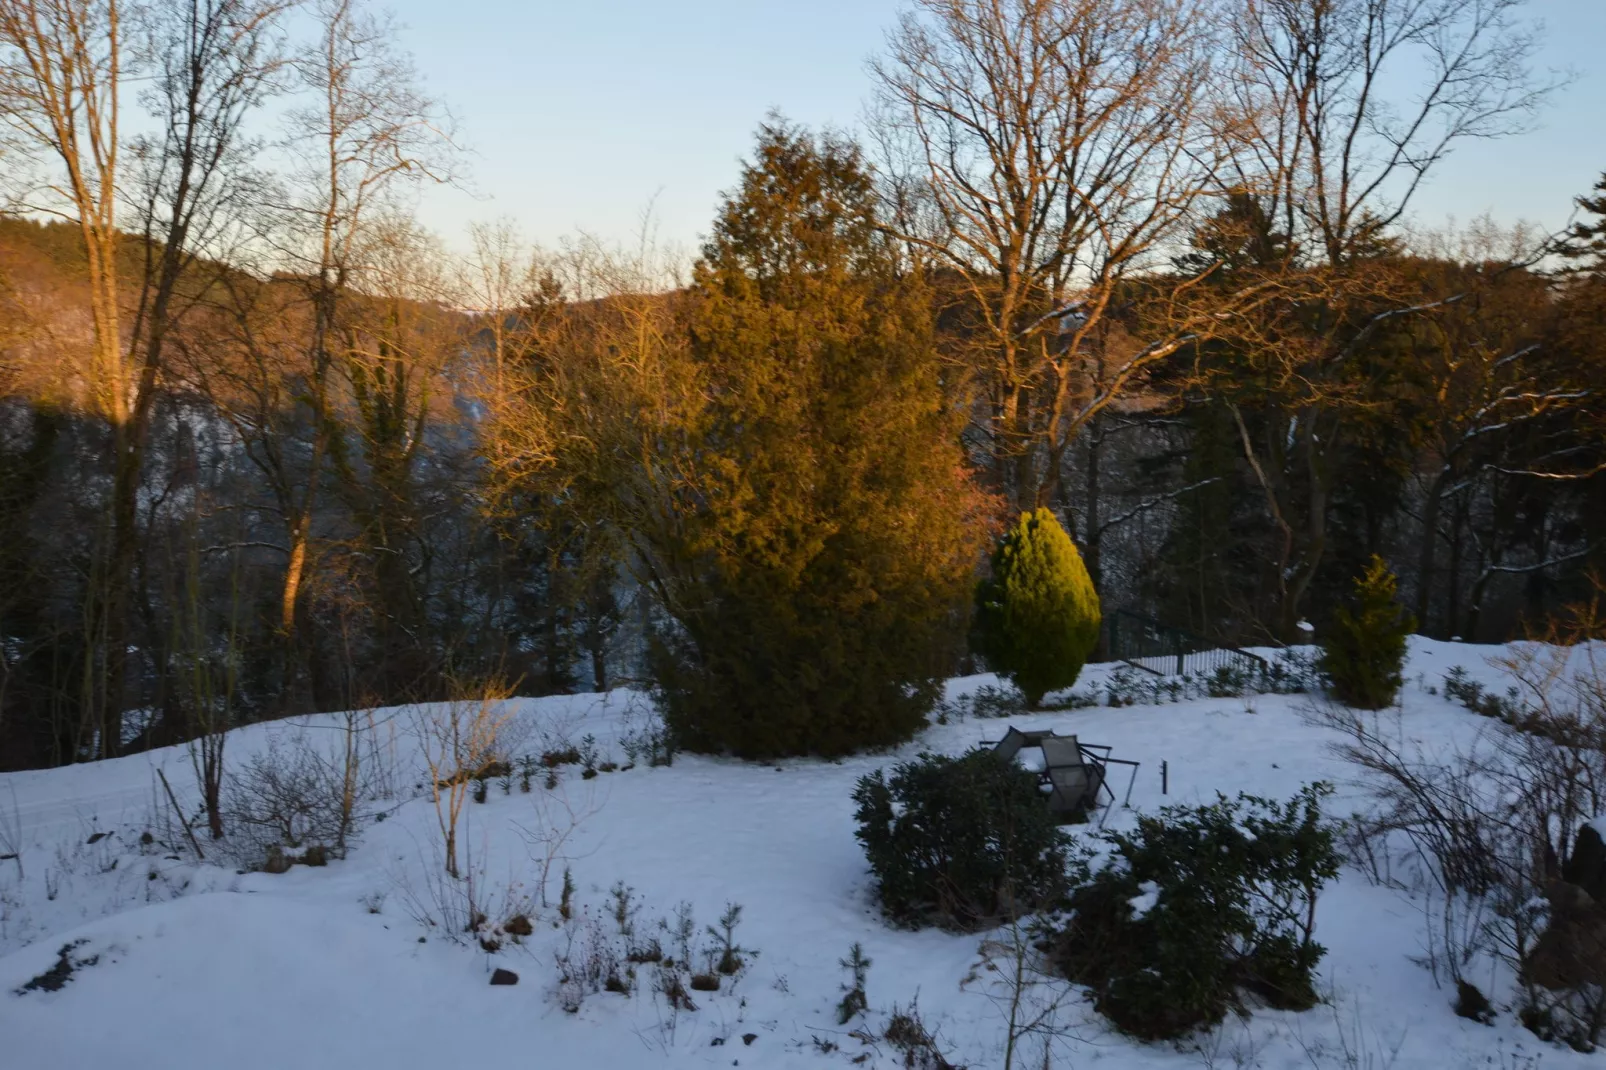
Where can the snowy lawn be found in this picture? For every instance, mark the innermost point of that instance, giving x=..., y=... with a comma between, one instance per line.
x=198, y=965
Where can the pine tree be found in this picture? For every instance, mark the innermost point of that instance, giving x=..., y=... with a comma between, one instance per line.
x=824, y=528
x=1363, y=654
x=1037, y=618
x=1585, y=243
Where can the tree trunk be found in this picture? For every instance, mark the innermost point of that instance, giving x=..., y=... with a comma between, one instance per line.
x=1311, y=554
x=1427, y=553
x=1093, y=536
x=1452, y=614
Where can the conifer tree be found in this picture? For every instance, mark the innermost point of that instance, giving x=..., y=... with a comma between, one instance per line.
x=1363, y=654
x=1585, y=243
x=1037, y=618
x=823, y=528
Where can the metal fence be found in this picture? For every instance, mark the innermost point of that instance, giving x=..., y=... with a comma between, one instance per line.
x=1166, y=651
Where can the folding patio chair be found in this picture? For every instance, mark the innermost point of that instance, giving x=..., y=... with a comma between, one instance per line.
x=1075, y=782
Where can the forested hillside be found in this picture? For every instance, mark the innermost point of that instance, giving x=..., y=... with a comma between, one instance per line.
x=269, y=447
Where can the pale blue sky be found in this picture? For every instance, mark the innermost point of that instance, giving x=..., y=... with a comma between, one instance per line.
x=579, y=113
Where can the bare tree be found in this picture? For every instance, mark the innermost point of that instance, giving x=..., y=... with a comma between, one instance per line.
x=208, y=64
x=1348, y=105
x=400, y=342
x=1050, y=148
x=60, y=77
x=496, y=283
x=1504, y=408
x=557, y=818
x=211, y=678
x=60, y=72
x=1336, y=141
x=459, y=739
x=365, y=130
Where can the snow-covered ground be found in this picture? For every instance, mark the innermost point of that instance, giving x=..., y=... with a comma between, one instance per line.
x=199, y=965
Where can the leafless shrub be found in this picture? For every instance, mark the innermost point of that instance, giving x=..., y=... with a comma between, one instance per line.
x=1354, y=1045
x=908, y=1033
x=555, y=819
x=1028, y=990
x=11, y=833
x=461, y=739
x=285, y=797
x=1489, y=827
x=592, y=961
x=466, y=909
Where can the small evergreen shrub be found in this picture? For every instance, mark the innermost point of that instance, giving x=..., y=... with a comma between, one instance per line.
x=1364, y=651
x=994, y=702
x=1460, y=687
x=1199, y=906
x=1228, y=681
x=1292, y=671
x=854, y=1001
x=726, y=954
x=960, y=842
x=1037, y=617
x=648, y=742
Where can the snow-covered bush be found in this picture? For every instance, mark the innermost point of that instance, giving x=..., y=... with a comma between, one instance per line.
x=960, y=842
x=1199, y=906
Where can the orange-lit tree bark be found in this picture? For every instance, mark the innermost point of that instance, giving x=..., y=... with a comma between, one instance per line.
x=60, y=79
x=1049, y=150
x=60, y=82
x=364, y=129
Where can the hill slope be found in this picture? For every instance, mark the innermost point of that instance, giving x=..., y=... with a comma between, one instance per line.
x=357, y=963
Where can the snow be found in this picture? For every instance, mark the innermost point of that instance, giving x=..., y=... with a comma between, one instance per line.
x=201, y=966
x=1148, y=895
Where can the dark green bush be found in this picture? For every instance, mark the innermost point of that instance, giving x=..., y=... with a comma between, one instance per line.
x=1198, y=907
x=960, y=842
x=1363, y=654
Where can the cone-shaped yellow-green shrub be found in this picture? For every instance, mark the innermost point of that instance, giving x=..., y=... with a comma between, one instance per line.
x=1363, y=654
x=1037, y=618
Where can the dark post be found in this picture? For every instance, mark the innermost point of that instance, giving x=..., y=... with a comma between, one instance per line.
x=1165, y=776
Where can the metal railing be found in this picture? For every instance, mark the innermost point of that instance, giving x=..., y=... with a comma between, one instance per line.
x=1159, y=648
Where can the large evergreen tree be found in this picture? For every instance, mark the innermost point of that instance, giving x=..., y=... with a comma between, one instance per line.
x=822, y=527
